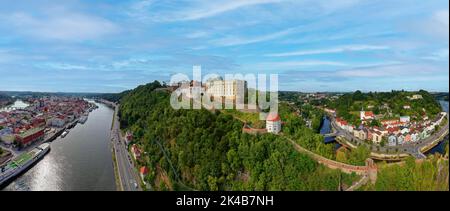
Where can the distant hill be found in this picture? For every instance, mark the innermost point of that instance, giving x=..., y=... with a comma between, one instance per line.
x=113, y=97
x=5, y=99
x=441, y=96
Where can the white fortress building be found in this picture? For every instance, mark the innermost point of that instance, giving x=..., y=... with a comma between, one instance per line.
x=217, y=87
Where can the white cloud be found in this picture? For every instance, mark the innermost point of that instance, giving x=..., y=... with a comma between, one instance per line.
x=294, y=64
x=6, y=56
x=142, y=5
x=442, y=17
x=232, y=41
x=63, y=26
x=61, y=66
x=201, y=9
x=437, y=25
x=198, y=34
x=389, y=71
x=15, y=56
x=330, y=6
x=218, y=8
x=340, y=49
x=193, y=10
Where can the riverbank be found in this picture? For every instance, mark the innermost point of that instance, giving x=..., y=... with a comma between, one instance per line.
x=117, y=177
x=126, y=171
x=80, y=161
x=399, y=152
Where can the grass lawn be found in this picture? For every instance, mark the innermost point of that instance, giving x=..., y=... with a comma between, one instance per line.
x=250, y=118
x=22, y=158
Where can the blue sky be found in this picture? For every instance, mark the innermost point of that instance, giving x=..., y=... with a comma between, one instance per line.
x=314, y=45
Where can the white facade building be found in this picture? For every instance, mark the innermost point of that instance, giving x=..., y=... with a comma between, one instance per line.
x=228, y=89
x=405, y=119
x=392, y=141
x=273, y=123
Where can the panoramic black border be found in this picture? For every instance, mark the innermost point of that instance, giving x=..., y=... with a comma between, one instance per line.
x=166, y=200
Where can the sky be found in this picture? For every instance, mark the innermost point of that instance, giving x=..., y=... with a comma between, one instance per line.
x=313, y=45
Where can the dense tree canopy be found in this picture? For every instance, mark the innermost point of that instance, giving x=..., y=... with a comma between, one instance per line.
x=5, y=99
x=202, y=150
x=428, y=175
x=387, y=104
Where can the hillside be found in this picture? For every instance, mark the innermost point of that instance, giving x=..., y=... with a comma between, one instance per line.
x=5, y=100
x=386, y=105
x=441, y=96
x=429, y=175
x=197, y=149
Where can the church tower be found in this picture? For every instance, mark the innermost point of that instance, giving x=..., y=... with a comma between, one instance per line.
x=362, y=113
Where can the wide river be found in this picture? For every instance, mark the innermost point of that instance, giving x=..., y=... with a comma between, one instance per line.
x=80, y=161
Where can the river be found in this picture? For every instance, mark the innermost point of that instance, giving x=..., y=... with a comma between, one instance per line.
x=440, y=148
x=80, y=161
x=326, y=129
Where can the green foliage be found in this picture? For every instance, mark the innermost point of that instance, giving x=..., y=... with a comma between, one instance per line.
x=388, y=104
x=5, y=100
x=251, y=118
x=208, y=151
x=429, y=175
x=112, y=97
x=446, y=148
x=374, y=123
x=4, y=97
x=358, y=156
x=441, y=96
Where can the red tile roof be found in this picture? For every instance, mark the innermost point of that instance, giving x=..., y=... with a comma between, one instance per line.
x=144, y=170
x=273, y=117
x=393, y=129
x=341, y=121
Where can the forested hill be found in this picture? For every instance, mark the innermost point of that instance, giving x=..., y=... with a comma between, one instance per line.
x=5, y=100
x=4, y=97
x=441, y=96
x=386, y=104
x=201, y=150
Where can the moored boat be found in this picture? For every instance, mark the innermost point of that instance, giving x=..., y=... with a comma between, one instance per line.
x=22, y=163
x=64, y=134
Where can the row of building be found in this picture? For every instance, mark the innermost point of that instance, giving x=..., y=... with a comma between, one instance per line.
x=28, y=125
x=137, y=155
x=394, y=131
